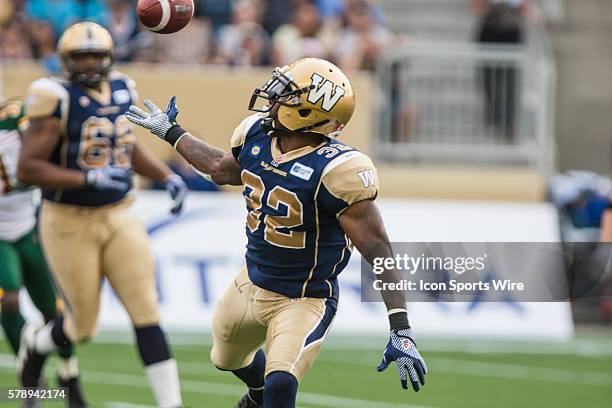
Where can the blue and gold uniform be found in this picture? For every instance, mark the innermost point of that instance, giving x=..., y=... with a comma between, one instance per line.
x=287, y=294
x=95, y=130
x=296, y=246
x=89, y=234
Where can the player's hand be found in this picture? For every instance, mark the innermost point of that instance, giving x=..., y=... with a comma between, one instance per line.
x=177, y=189
x=109, y=178
x=156, y=121
x=410, y=365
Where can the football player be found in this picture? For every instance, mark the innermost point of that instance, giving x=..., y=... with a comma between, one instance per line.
x=309, y=198
x=21, y=258
x=80, y=149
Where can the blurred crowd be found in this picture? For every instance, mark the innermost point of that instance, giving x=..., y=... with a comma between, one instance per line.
x=351, y=33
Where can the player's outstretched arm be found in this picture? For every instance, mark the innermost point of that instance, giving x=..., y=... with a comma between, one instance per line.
x=220, y=165
x=207, y=159
x=364, y=226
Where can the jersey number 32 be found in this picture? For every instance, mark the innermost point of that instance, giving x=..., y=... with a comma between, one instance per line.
x=277, y=227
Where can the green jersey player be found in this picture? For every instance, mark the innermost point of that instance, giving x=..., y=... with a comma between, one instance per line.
x=21, y=259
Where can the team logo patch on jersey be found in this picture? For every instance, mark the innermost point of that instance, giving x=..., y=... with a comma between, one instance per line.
x=301, y=171
x=121, y=96
x=255, y=150
x=367, y=177
x=84, y=101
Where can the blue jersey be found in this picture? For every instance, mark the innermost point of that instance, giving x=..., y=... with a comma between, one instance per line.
x=95, y=131
x=296, y=245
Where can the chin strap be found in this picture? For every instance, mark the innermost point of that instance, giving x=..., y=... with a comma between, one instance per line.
x=268, y=126
x=89, y=81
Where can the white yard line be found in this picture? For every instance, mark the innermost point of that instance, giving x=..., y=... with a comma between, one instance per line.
x=521, y=372
x=466, y=367
x=497, y=370
x=214, y=388
x=573, y=347
x=444, y=365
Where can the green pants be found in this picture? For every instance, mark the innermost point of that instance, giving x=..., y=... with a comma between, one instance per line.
x=22, y=263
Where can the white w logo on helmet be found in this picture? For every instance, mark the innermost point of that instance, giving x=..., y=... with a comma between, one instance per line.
x=324, y=90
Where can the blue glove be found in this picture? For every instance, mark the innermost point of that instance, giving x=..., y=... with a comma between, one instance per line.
x=402, y=349
x=157, y=122
x=177, y=189
x=109, y=178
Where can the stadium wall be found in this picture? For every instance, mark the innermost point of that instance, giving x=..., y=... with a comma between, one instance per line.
x=213, y=100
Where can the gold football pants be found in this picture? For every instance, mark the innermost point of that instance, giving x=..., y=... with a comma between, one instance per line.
x=83, y=245
x=248, y=316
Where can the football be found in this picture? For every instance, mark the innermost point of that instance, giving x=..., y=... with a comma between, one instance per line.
x=164, y=16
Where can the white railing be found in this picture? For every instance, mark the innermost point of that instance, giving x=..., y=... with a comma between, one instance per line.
x=463, y=102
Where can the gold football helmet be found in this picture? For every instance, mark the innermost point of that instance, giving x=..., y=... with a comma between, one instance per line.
x=311, y=96
x=82, y=39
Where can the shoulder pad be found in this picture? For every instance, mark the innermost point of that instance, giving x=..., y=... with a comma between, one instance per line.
x=241, y=131
x=351, y=177
x=129, y=82
x=44, y=96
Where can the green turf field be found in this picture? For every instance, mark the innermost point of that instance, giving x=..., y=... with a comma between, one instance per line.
x=485, y=374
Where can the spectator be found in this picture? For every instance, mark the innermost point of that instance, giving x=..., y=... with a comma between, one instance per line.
x=191, y=45
x=218, y=12
x=277, y=13
x=301, y=38
x=501, y=22
x=44, y=42
x=244, y=42
x=7, y=11
x=14, y=41
x=123, y=26
x=62, y=13
x=334, y=10
x=363, y=39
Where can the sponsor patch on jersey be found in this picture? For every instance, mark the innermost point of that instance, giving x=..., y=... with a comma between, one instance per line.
x=84, y=101
x=274, y=170
x=121, y=96
x=255, y=150
x=108, y=110
x=301, y=171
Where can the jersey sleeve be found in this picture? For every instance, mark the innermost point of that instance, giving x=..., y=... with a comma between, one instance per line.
x=347, y=180
x=46, y=98
x=240, y=134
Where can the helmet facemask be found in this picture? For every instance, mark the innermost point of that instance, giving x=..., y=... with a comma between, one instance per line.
x=279, y=89
x=86, y=76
